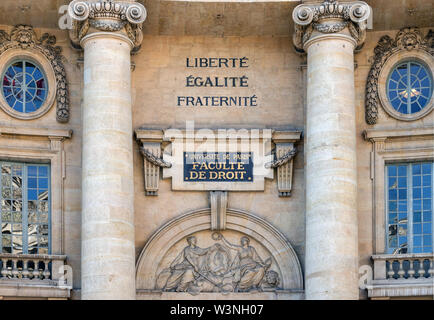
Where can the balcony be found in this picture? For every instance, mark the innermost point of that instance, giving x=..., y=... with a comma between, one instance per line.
x=403, y=275
x=32, y=276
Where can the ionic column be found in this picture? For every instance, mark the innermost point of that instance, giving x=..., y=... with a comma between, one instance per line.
x=329, y=33
x=107, y=31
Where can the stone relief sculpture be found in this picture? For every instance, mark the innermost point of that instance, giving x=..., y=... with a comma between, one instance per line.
x=223, y=267
x=24, y=37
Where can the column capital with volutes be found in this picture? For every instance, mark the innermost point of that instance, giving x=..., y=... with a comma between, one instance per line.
x=124, y=18
x=315, y=20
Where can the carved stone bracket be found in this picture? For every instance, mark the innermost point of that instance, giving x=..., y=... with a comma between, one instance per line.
x=330, y=17
x=219, y=203
x=24, y=37
x=407, y=39
x=107, y=16
x=150, y=147
x=285, y=152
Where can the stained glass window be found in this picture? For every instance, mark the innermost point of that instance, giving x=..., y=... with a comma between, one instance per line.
x=25, y=208
x=409, y=207
x=409, y=87
x=24, y=86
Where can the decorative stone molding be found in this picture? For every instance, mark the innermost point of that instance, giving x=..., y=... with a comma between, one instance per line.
x=330, y=17
x=107, y=16
x=23, y=39
x=219, y=203
x=407, y=40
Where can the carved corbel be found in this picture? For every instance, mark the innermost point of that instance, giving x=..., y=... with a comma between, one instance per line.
x=328, y=17
x=150, y=147
x=108, y=16
x=285, y=152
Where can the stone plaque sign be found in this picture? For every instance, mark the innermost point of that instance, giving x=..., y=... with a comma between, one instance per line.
x=218, y=166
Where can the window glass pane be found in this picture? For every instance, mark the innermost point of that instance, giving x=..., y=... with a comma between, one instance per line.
x=409, y=87
x=426, y=168
x=397, y=209
x=24, y=86
x=417, y=194
x=32, y=171
x=417, y=241
x=24, y=212
x=43, y=171
x=417, y=215
x=402, y=171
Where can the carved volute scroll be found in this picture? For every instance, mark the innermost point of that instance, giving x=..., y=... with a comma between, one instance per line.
x=24, y=37
x=107, y=16
x=407, y=39
x=330, y=17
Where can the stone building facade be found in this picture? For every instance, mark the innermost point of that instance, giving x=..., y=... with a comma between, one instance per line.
x=231, y=149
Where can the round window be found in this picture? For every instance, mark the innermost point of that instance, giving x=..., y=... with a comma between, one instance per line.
x=24, y=86
x=409, y=87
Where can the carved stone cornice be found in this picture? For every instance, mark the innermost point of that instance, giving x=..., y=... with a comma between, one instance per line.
x=407, y=39
x=108, y=16
x=329, y=17
x=24, y=37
